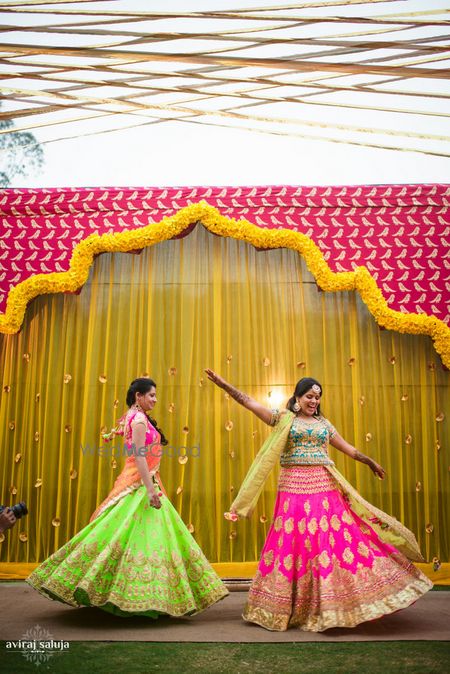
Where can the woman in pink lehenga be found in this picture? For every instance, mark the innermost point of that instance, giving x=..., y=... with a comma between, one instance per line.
x=330, y=559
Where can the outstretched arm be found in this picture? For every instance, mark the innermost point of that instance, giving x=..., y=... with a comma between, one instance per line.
x=343, y=446
x=263, y=413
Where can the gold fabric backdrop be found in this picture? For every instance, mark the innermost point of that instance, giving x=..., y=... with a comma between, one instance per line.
x=257, y=318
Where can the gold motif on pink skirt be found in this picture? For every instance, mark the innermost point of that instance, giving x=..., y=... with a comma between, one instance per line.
x=335, y=522
x=287, y=562
x=268, y=558
x=347, y=518
x=324, y=559
x=289, y=525
x=312, y=526
x=348, y=556
x=363, y=549
x=302, y=526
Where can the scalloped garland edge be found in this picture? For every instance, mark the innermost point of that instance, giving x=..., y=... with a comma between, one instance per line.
x=360, y=279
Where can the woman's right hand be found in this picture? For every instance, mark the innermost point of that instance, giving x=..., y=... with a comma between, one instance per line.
x=242, y=398
x=215, y=378
x=155, y=501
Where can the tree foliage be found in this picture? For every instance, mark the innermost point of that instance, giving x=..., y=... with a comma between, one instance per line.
x=20, y=154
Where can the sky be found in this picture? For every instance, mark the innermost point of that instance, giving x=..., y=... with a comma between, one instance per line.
x=175, y=153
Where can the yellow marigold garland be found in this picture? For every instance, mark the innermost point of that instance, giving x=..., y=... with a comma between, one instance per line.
x=360, y=279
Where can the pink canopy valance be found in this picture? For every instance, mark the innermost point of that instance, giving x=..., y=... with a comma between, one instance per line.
x=399, y=233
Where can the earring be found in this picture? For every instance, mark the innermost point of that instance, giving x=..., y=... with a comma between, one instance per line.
x=296, y=407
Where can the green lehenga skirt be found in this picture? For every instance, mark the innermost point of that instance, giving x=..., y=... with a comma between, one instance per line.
x=132, y=560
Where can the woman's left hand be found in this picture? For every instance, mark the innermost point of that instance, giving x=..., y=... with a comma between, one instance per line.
x=155, y=501
x=377, y=470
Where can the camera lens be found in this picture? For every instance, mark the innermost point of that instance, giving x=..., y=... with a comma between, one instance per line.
x=20, y=509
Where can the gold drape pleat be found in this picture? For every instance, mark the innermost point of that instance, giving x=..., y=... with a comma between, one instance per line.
x=257, y=318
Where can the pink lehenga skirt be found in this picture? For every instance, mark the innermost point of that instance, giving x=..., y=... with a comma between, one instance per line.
x=321, y=565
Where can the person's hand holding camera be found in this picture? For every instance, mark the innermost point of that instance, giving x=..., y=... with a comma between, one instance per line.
x=7, y=519
x=9, y=516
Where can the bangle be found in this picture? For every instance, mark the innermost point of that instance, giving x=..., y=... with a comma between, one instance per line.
x=275, y=418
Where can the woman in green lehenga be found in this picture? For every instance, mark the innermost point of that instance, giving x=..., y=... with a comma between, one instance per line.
x=136, y=556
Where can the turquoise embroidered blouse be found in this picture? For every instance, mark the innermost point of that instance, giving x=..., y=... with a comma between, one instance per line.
x=308, y=443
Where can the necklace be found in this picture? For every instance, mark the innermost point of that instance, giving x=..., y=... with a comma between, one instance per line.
x=304, y=420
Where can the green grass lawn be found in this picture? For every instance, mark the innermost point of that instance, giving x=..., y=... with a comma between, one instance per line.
x=411, y=657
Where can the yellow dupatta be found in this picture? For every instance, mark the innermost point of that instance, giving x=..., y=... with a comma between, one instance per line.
x=264, y=461
x=389, y=529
